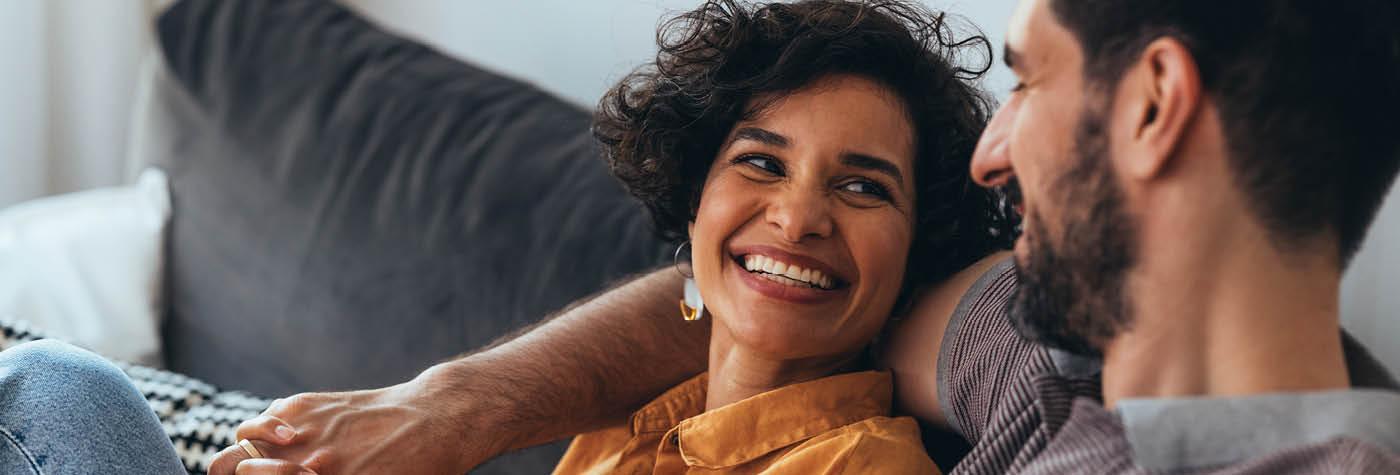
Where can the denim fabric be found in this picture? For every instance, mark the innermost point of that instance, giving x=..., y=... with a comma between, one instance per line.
x=66, y=410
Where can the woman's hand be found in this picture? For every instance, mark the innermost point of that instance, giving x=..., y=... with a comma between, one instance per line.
x=421, y=426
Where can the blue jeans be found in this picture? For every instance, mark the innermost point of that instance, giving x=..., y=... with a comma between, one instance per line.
x=66, y=410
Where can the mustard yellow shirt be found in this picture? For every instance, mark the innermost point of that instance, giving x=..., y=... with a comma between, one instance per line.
x=837, y=424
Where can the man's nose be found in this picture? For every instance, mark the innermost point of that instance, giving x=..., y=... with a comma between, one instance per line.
x=799, y=214
x=991, y=162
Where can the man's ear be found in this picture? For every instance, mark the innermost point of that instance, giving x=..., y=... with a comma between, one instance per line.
x=1162, y=97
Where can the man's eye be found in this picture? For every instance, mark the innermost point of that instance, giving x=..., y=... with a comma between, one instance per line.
x=767, y=164
x=867, y=188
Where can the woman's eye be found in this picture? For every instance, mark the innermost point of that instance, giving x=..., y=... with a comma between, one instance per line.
x=867, y=188
x=761, y=162
x=1018, y=87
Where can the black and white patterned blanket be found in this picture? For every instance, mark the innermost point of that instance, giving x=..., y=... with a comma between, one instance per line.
x=199, y=418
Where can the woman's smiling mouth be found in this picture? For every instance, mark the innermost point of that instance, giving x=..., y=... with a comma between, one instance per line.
x=786, y=276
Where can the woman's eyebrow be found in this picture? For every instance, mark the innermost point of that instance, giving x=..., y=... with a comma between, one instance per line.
x=874, y=164
x=759, y=135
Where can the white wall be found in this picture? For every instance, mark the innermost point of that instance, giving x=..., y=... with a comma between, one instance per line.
x=70, y=73
x=1371, y=287
x=23, y=141
x=578, y=48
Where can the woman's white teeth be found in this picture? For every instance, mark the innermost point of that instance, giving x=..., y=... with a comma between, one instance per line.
x=785, y=273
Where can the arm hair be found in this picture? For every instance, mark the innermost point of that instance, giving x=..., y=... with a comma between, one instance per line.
x=582, y=369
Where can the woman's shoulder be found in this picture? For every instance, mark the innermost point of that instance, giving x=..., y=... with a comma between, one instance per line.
x=874, y=445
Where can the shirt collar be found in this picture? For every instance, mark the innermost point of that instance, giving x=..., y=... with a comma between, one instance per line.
x=1199, y=432
x=673, y=406
x=748, y=429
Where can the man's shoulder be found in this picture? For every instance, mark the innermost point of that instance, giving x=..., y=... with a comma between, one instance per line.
x=1340, y=455
x=914, y=348
x=1343, y=431
x=990, y=376
x=1094, y=452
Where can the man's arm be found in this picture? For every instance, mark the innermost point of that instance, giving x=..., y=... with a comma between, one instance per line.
x=586, y=368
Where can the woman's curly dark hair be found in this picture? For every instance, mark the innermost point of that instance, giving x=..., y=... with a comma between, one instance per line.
x=662, y=125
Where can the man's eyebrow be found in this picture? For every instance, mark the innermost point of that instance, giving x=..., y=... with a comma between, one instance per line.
x=759, y=135
x=1010, y=56
x=875, y=164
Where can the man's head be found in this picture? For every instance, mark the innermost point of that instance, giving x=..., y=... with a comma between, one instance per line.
x=1117, y=97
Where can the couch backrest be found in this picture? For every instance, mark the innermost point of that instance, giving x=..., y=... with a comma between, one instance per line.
x=351, y=206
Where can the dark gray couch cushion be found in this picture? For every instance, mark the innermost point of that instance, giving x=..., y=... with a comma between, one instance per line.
x=351, y=206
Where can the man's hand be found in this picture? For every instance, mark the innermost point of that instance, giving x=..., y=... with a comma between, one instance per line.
x=418, y=427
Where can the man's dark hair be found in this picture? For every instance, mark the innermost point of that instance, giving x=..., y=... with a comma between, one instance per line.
x=1306, y=89
x=663, y=124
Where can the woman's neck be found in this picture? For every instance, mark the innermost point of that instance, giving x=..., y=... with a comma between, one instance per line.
x=738, y=373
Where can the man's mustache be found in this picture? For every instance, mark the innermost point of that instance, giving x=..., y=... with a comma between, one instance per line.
x=1012, y=191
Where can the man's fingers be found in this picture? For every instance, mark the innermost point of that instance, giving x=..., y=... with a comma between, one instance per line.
x=278, y=406
x=296, y=404
x=270, y=467
x=227, y=460
x=266, y=428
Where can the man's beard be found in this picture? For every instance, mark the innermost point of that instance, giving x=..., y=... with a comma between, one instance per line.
x=1072, y=293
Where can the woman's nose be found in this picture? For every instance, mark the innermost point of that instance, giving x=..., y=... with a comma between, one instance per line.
x=801, y=214
x=991, y=162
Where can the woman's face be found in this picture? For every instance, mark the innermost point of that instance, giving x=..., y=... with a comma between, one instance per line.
x=806, y=219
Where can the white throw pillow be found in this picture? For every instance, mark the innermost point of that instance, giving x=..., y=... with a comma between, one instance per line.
x=86, y=266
